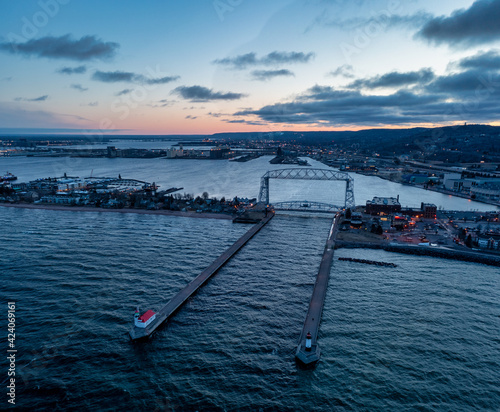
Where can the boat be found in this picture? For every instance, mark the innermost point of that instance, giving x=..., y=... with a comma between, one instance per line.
x=8, y=176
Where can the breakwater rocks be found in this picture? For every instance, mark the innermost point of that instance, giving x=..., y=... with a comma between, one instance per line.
x=464, y=255
x=368, y=262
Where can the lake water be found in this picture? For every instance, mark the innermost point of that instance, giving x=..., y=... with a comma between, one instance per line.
x=422, y=336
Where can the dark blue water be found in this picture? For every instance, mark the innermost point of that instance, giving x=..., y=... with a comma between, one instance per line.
x=422, y=336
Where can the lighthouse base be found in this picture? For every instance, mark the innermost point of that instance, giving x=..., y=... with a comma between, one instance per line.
x=308, y=358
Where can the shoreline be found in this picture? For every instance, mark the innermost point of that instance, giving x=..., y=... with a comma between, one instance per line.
x=177, y=213
x=435, y=190
x=466, y=256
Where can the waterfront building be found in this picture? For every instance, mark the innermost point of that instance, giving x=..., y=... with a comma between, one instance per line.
x=221, y=152
x=383, y=205
x=174, y=153
x=489, y=191
x=62, y=199
x=457, y=183
x=429, y=210
x=70, y=184
x=489, y=241
x=420, y=179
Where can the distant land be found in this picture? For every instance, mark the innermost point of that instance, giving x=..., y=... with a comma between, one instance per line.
x=302, y=136
x=468, y=142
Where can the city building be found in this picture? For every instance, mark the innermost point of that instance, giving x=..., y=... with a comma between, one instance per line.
x=488, y=241
x=429, y=210
x=220, y=152
x=383, y=205
x=457, y=183
x=488, y=191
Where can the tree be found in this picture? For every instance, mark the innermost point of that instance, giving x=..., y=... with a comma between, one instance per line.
x=468, y=241
x=205, y=195
x=348, y=213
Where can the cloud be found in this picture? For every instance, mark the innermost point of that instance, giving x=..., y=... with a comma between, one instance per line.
x=203, y=94
x=395, y=79
x=455, y=97
x=36, y=99
x=483, y=60
x=239, y=62
x=345, y=70
x=263, y=75
x=162, y=103
x=217, y=115
x=161, y=80
x=129, y=77
x=242, y=121
x=475, y=25
x=72, y=70
x=113, y=77
x=191, y=117
x=124, y=92
x=63, y=47
x=381, y=21
x=250, y=59
x=456, y=84
x=79, y=87
x=93, y=104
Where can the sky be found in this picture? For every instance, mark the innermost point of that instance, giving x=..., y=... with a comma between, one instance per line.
x=209, y=66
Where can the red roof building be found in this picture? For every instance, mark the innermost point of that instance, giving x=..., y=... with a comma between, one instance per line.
x=146, y=316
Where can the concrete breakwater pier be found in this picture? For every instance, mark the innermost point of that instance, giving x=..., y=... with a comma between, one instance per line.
x=182, y=296
x=308, y=352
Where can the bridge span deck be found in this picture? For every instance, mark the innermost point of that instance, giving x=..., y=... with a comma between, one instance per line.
x=181, y=297
x=313, y=317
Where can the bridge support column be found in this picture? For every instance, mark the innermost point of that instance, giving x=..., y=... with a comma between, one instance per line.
x=264, y=190
x=349, y=194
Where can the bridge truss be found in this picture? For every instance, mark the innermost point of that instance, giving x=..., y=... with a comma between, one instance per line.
x=306, y=206
x=307, y=174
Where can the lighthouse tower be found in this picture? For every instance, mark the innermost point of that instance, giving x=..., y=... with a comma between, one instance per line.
x=136, y=317
x=308, y=342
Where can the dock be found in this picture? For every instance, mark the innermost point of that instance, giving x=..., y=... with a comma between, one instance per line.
x=313, y=318
x=181, y=297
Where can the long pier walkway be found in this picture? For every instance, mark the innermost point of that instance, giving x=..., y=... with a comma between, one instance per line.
x=178, y=300
x=310, y=355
